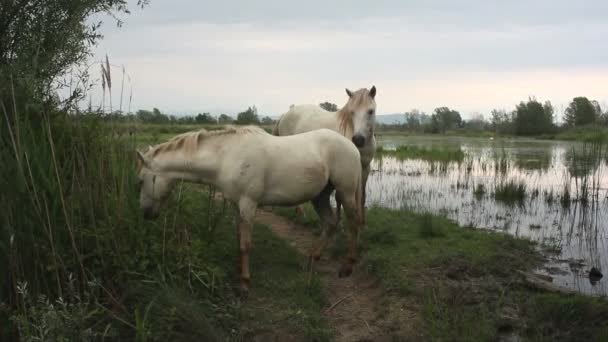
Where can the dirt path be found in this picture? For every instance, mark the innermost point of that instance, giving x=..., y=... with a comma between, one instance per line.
x=359, y=309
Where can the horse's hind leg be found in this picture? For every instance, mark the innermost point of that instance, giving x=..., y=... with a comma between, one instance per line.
x=328, y=222
x=353, y=222
x=247, y=210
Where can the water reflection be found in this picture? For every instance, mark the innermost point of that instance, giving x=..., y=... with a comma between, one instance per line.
x=552, y=212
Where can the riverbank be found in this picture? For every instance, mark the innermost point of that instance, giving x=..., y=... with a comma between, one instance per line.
x=473, y=284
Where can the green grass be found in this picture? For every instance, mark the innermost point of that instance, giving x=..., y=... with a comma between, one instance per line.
x=430, y=154
x=466, y=281
x=310, y=218
x=586, y=133
x=82, y=263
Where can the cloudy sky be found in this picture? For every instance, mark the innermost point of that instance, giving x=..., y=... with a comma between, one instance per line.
x=473, y=55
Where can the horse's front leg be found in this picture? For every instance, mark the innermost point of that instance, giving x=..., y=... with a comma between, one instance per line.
x=364, y=175
x=247, y=210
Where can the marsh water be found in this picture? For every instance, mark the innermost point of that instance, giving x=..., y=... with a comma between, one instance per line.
x=564, y=204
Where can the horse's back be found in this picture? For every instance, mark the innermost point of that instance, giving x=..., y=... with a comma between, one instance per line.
x=304, y=118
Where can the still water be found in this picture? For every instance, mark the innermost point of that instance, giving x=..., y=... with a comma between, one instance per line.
x=565, y=207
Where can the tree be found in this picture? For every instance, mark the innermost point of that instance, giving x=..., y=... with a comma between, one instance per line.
x=533, y=118
x=500, y=121
x=248, y=117
x=332, y=107
x=444, y=118
x=476, y=123
x=204, y=118
x=43, y=41
x=224, y=119
x=581, y=111
x=267, y=120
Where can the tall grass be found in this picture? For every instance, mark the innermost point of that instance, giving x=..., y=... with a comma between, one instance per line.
x=510, y=192
x=75, y=245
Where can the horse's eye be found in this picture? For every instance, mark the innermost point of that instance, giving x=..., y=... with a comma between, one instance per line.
x=370, y=112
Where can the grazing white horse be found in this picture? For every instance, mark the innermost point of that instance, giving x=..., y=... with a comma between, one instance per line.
x=355, y=121
x=253, y=168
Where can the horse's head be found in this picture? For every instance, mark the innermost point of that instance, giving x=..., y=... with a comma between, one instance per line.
x=361, y=106
x=154, y=188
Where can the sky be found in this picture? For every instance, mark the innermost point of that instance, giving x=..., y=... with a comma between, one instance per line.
x=187, y=56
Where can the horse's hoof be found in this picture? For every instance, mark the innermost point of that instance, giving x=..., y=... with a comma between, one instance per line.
x=244, y=289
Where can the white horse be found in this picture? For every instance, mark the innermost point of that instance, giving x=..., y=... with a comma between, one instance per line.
x=253, y=168
x=355, y=121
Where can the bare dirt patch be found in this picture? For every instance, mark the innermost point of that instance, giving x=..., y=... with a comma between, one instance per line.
x=359, y=309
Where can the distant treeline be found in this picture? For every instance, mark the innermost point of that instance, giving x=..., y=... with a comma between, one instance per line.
x=247, y=117
x=529, y=117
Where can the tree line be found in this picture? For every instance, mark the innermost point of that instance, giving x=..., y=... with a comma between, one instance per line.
x=247, y=117
x=529, y=117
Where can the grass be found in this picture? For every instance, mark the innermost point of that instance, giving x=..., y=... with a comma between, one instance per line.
x=466, y=284
x=82, y=264
x=585, y=133
x=430, y=154
x=510, y=192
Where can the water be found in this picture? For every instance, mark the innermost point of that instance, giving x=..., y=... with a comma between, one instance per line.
x=573, y=231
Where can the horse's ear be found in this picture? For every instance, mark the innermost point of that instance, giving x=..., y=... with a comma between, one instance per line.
x=142, y=159
x=349, y=93
x=372, y=92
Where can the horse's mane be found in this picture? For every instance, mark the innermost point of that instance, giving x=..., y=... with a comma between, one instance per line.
x=190, y=141
x=345, y=114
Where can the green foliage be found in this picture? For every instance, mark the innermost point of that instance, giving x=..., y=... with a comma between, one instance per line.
x=73, y=317
x=248, y=117
x=224, y=119
x=533, y=118
x=154, y=116
x=501, y=121
x=205, y=118
x=444, y=119
x=332, y=107
x=581, y=112
x=267, y=121
x=42, y=41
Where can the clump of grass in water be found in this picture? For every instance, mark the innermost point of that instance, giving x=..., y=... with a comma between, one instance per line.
x=501, y=162
x=565, y=197
x=430, y=154
x=479, y=191
x=510, y=192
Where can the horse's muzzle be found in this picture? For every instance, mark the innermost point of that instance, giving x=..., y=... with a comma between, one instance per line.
x=359, y=140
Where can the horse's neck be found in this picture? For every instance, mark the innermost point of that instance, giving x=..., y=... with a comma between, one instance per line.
x=198, y=166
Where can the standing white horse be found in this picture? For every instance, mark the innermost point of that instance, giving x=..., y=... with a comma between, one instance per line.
x=253, y=168
x=355, y=121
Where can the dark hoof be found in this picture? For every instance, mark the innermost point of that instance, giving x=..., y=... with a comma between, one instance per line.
x=244, y=289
